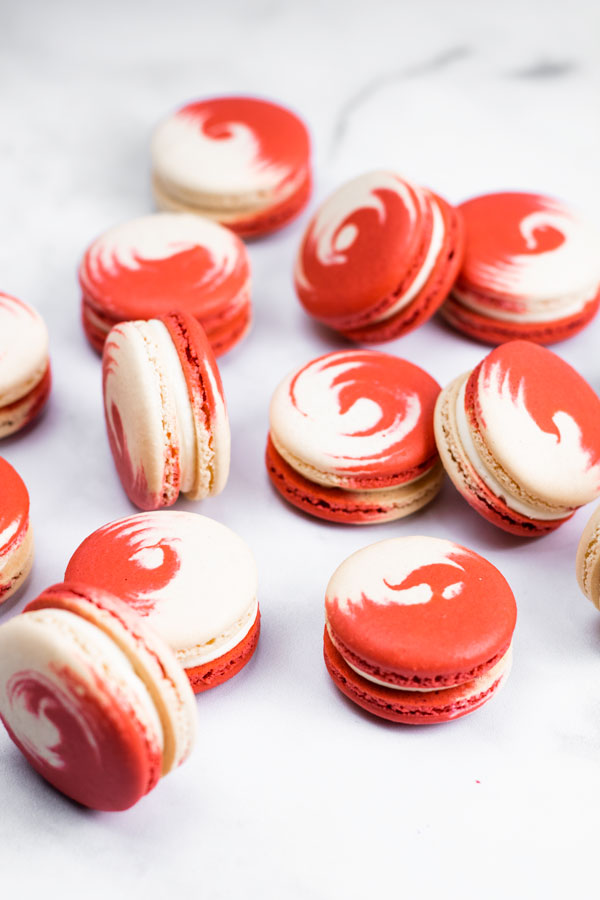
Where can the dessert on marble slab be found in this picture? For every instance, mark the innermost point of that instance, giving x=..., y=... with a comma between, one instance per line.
x=418, y=629
x=531, y=270
x=379, y=257
x=25, y=377
x=351, y=437
x=243, y=161
x=93, y=698
x=159, y=263
x=165, y=411
x=191, y=578
x=520, y=438
x=16, y=534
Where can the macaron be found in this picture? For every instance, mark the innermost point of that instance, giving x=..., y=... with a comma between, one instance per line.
x=24, y=364
x=192, y=579
x=531, y=270
x=240, y=160
x=351, y=437
x=150, y=266
x=379, y=257
x=418, y=629
x=165, y=411
x=94, y=699
x=16, y=535
x=587, y=564
x=520, y=438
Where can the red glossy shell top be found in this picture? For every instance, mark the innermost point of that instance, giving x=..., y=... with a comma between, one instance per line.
x=163, y=262
x=370, y=242
x=14, y=506
x=421, y=609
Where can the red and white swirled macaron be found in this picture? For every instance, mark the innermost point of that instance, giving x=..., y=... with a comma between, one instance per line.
x=520, y=438
x=191, y=578
x=24, y=364
x=16, y=535
x=165, y=411
x=531, y=270
x=93, y=698
x=378, y=257
x=240, y=160
x=351, y=437
x=418, y=629
x=159, y=263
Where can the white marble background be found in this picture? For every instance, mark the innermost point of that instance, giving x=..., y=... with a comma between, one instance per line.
x=292, y=793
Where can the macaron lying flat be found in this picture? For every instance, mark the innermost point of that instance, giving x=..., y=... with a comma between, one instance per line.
x=24, y=365
x=351, y=437
x=192, y=579
x=242, y=161
x=531, y=270
x=153, y=265
x=93, y=698
x=379, y=257
x=520, y=438
x=165, y=411
x=418, y=630
x=587, y=564
x=16, y=535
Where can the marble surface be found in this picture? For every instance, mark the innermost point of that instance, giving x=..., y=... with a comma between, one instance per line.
x=293, y=793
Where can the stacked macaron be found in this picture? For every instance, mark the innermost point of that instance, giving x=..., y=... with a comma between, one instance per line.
x=24, y=364
x=531, y=270
x=351, y=437
x=163, y=263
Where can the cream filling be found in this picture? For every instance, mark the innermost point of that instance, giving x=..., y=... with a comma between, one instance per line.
x=490, y=675
x=223, y=643
x=464, y=433
x=175, y=379
x=437, y=240
x=536, y=311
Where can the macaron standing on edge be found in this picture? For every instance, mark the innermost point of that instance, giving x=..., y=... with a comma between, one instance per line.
x=351, y=437
x=587, y=562
x=25, y=377
x=531, y=270
x=191, y=578
x=165, y=411
x=16, y=535
x=155, y=264
x=519, y=437
x=92, y=697
x=240, y=160
x=418, y=629
x=379, y=257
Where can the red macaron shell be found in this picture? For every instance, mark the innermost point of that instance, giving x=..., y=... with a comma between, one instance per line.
x=388, y=232
x=219, y=670
x=433, y=293
x=408, y=707
x=329, y=503
x=14, y=507
x=276, y=216
x=460, y=632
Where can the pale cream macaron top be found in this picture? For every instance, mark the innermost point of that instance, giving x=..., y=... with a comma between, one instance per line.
x=24, y=364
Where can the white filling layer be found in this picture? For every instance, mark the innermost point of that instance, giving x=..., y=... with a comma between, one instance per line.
x=435, y=246
x=464, y=433
x=223, y=643
x=546, y=311
x=174, y=377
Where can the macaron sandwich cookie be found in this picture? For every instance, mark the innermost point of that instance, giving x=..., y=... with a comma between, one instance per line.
x=351, y=437
x=165, y=411
x=95, y=701
x=24, y=364
x=16, y=536
x=240, y=160
x=587, y=564
x=379, y=257
x=153, y=265
x=520, y=438
x=192, y=579
x=531, y=270
x=418, y=630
